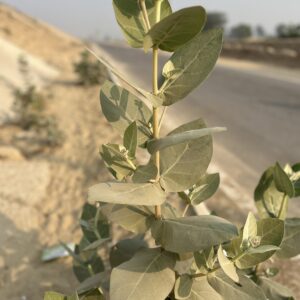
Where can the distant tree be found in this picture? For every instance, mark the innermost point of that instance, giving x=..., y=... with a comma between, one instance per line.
x=288, y=31
x=215, y=19
x=260, y=31
x=241, y=31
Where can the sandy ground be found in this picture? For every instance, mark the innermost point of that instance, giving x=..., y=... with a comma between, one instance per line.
x=41, y=197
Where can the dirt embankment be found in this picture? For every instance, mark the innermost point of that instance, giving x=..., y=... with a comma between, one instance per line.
x=41, y=196
x=282, y=52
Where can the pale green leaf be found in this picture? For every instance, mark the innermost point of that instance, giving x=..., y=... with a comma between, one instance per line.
x=183, y=286
x=130, y=139
x=201, y=290
x=97, y=281
x=192, y=234
x=129, y=17
x=262, y=249
x=176, y=29
x=96, y=244
x=148, y=275
x=205, y=259
x=290, y=245
x=282, y=181
x=127, y=193
x=117, y=161
x=274, y=290
x=271, y=232
x=145, y=173
x=184, y=164
x=179, y=138
x=268, y=199
x=205, y=188
x=245, y=290
x=190, y=65
x=137, y=219
x=121, y=108
x=249, y=230
x=227, y=265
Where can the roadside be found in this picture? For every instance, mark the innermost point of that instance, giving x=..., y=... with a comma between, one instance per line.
x=42, y=194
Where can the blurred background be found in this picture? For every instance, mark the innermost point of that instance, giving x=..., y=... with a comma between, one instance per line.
x=51, y=126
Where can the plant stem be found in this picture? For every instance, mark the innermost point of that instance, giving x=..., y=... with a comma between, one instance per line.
x=145, y=14
x=282, y=211
x=155, y=109
x=185, y=210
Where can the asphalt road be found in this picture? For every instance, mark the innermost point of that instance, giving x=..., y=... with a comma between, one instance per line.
x=260, y=110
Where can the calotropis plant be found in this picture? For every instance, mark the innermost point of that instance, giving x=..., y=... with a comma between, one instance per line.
x=194, y=257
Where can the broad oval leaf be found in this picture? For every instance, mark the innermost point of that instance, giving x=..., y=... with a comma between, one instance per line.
x=274, y=290
x=282, y=181
x=205, y=188
x=227, y=265
x=190, y=65
x=246, y=289
x=148, y=275
x=201, y=290
x=121, y=108
x=127, y=193
x=183, y=286
x=130, y=19
x=271, y=232
x=137, y=219
x=290, y=245
x=145, y=173
x=176, y=29
x=183, y=165
x=192, y=234
x=179, y=138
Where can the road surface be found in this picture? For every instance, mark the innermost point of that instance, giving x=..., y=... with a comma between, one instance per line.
x=259, y=107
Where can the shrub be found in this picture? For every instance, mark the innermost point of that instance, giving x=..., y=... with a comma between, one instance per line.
x=89, y=70
x=195, y=257
x=29, y=106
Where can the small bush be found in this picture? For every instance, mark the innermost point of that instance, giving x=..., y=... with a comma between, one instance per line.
x=89, y=71
x=29, y=106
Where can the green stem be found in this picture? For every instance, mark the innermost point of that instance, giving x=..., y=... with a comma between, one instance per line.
x=155, y=109
x=185, y=210
x=145, y=15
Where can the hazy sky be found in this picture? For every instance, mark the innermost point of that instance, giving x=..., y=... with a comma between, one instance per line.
x=94, y=18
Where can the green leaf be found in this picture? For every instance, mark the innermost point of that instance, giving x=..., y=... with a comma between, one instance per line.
x=262, y=249
x=145, y=173
x=268, y=199
x=93, y=225
x=201, y=290
x=117, y=161
x=121, y=108
x=127, y=193
x=290, y=245
x=130, y=139
x=282, y=181
x=97, y=281
x=227, y=265
x=190, y=65
x=129, y=17
x=183, y=287
x=273, y=290
x=148, y=275
x=176, y=29
x=192, y=234
x=205, y=259
x=249, y=230
x=124, y=250
x=205, y=188
x=137, y=219
x=183, y=165
x=179, y=138
x=271, y=232
x=95, y=245
x=246, y=289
